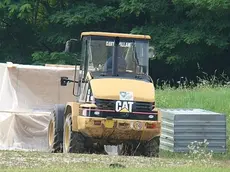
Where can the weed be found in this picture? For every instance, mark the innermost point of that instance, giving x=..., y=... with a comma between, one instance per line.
x=200, y=151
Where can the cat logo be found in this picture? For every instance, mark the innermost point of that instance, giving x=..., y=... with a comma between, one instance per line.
x=123, y=106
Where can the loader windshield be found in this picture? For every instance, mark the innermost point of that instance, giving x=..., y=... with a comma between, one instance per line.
x=131, y=56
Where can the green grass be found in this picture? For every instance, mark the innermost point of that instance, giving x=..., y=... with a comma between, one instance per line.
x=174, y=169
x=214, y=99
x=39, y=161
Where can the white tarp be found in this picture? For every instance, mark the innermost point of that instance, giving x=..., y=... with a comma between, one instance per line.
x=23, y=130
x=27, y=94
x=27, y=87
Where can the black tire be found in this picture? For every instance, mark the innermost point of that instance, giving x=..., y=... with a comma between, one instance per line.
x=73, y=142
x=99, y=150
x=152, y=147
x=55, y=129
x=92, y=148
x=147, y=149
x=129, y=149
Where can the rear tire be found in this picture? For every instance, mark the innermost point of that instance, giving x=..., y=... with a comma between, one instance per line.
x=127, y=149
x=152, y=147
x=99, y=150
x=73, y=142
x=55, y=129
x=146, y=148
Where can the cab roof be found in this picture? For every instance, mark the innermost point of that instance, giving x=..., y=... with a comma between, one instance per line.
x=121, y=35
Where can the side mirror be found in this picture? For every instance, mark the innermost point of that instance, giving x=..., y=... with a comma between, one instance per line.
x=71, y=45
x=151, y=52
x=64, y=81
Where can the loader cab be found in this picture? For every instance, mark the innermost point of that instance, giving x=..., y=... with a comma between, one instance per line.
x=112, y=55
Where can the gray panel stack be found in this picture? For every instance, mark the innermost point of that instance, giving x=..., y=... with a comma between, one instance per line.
x=180, y=127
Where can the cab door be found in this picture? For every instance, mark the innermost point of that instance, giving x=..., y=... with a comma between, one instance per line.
x=83, y=82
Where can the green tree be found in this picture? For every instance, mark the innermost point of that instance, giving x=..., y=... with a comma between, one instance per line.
x=187, y=32
x=184, y=32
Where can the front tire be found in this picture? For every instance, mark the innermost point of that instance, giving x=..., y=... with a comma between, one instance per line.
x=55, y=129
x=73, y=142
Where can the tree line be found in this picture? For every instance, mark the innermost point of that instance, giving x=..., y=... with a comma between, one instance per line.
x=189, y=36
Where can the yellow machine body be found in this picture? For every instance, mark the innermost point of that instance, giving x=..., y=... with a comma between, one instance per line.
x=114, y=130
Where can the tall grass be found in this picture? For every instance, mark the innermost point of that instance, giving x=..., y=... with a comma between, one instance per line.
x=210, y=98
x=209, y=92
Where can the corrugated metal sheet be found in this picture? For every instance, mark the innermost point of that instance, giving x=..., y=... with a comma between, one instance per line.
x=180, y=127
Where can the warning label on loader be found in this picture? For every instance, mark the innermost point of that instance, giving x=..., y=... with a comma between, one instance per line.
x=125, y=95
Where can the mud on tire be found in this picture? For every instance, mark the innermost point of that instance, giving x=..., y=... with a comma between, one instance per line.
x=73, y=142
x=55, y=129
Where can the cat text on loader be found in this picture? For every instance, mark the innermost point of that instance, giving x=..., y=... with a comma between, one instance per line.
x=115, y=99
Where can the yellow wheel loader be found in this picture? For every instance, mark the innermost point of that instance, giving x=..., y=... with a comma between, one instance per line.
x=115, y=99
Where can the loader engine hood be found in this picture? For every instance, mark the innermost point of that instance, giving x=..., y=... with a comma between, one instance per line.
x=115, y=88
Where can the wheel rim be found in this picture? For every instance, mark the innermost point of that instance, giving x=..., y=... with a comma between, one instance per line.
x=51, y=132
x=66, y=136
